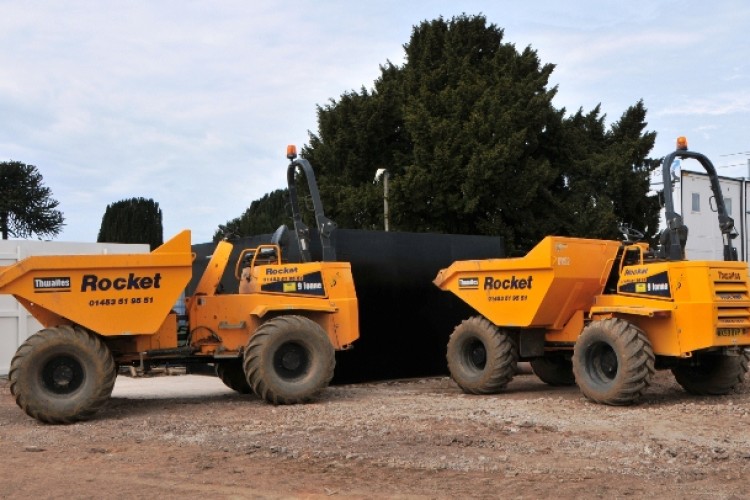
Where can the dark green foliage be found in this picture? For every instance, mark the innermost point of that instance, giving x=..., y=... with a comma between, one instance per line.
x=135, y=220
x=26, y=205
x=606, y=174
x=477, y=113
x=358, y=135
x=473, y=144
x=263, y=216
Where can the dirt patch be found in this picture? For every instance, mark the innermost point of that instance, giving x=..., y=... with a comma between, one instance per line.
x=405, y=439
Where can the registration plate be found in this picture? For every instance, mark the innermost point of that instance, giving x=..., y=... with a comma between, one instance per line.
x=730, y=332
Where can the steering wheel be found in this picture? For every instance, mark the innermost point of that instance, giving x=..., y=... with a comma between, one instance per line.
x=630, y=233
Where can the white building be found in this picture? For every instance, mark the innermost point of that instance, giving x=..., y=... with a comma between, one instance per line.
x=16, y=324
x=693, y=200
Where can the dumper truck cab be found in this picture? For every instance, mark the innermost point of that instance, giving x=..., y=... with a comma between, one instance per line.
x=606, y=314
x=276, y=338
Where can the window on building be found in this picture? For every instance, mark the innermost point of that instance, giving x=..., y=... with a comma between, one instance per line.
x=728, y=204
x=696, y=202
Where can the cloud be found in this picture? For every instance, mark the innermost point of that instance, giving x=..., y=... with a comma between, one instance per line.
x=724, y=104
x=193, y=103
x=184, y=102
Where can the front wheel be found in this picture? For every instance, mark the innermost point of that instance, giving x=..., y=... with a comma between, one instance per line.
x=613, y=362
x=62, y=375
x=481, y=358
x=289, y=360
x=711, y=374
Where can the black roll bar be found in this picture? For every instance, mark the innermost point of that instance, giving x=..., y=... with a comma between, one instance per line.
x=675, y=223
x=325, y=225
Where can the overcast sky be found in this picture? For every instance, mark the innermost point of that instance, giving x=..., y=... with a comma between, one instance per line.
x=193, y=103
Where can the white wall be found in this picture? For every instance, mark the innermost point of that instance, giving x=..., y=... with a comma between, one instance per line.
x=16, y=324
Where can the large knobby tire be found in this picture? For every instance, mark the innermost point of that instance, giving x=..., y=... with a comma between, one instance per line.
x=232, y=374
x=481, y=358
x=554, y=369
x=613, y=362
x=711, y=374
x=62, y=375
x=289, y=360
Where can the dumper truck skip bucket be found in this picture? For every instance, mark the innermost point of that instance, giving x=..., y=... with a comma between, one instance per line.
x=543, y=289
x=108, y=294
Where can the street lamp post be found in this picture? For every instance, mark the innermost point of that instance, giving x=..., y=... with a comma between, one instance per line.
x=382, y=172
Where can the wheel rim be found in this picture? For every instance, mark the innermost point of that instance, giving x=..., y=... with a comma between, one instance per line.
x=62, y=375
x=291, y=360
x=475, y=354
x=602, y=363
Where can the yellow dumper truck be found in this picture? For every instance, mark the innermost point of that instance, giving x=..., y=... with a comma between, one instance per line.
x=606, y=314
x=276, y=337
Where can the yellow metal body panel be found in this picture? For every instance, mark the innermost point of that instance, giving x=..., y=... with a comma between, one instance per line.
x=545, y=288
x=683, y=306
x=214, y=270
x=126, y=294
x=129, y=298
x=164, y=338
x=322, y=291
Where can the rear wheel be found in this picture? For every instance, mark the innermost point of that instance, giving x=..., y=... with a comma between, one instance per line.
x=554, y=369
x=711, y=374
x=613, y=362
x=62, y=375
x=481, y=358
x=289, y=360
x=233, y=375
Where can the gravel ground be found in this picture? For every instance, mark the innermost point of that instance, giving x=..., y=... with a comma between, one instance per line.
x=189, y=436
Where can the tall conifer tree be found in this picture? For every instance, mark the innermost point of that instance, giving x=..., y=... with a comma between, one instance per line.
x=134, y=220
